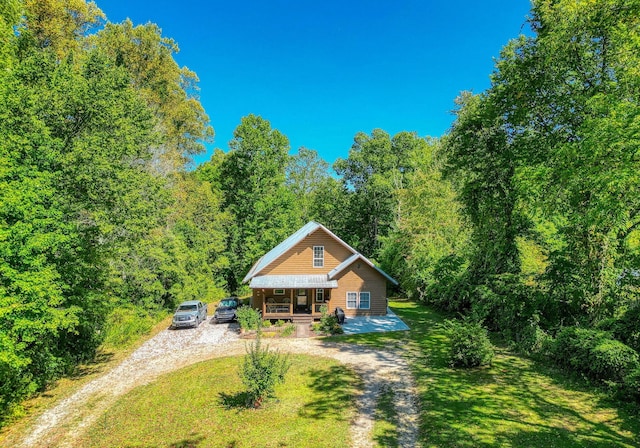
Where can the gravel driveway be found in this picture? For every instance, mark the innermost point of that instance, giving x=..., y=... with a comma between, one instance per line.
x=61, y=425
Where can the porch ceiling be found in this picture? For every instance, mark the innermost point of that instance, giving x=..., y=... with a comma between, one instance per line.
x=292, y=281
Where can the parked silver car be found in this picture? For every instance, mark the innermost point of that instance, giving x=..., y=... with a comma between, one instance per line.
x=226, y=310
x=189, y=314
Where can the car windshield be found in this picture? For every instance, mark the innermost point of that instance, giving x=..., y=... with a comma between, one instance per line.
x=187, y=308
x=228, y=303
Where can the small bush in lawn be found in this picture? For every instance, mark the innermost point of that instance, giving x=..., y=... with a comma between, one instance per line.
x=594, y=353
x=262, y=371
x=248, y=318
x=470, y=344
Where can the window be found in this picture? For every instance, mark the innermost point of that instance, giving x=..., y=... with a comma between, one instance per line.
x=319, y=295
x=318, y=256
x=352, y=300
x=365, y=301
x=361, y=301
x=278, y=292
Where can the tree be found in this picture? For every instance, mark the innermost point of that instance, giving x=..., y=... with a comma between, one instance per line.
x=375, y=168
x=306, y=174
x=252, y=177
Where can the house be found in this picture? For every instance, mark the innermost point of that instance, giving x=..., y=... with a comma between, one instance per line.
x=311, y=268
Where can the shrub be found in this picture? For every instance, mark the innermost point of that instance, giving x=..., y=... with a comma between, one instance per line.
x=266, y=323
x=125, y=325
x=262, y=370
x=288, y=330
x=329, y=322
x=631, y=384
x=279, y=323
x=248, y=318
x=470, y=344
x=627, y=329
x=594, y=353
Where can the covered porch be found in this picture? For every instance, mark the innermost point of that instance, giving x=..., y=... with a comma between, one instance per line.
x=289, y=296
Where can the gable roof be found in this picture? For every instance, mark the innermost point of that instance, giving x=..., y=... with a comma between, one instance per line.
x=296, y=238
x=352, y=259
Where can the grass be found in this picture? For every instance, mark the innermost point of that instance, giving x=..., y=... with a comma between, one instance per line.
x=516, y=402
x=203, y=405
x=385, y=428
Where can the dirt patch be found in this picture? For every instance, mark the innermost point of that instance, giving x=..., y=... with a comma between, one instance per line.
x=170, y=350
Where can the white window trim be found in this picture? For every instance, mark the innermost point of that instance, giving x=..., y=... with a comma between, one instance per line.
x=320, y=259
x=352, y=307
x=278, y=292
x=320, y=295
x=358, y=303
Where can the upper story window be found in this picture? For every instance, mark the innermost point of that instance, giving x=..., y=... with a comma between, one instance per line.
x=318, y=256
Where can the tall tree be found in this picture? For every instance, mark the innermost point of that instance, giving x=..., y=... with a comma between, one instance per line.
x=253, y=181
x=376, y=166
x=306, y=173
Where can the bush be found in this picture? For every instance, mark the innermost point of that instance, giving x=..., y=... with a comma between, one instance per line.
x=262, y=371
x=248, y=318
x=279, y=323
x=329, y=322
x=627, y=329
x=288, y=330
x=594, y=353
x=631, y=385
x=125, y=325
x=470, y=344
x=266, y=323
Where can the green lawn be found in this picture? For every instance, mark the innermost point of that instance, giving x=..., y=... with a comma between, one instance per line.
x=203, y=405
x=517, y=402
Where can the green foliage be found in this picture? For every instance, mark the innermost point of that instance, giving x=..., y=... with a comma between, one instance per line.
x=627, y=328
x=248, y=318
x=470, y=344
x=125, y=324
x=594, y=353
x=289, y=329
x=266, y=323
x=262, y=371
x=631, y=385
x=329, y=322
x=279, y=323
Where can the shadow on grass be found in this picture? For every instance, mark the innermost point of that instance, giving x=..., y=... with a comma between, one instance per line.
x=516, y=402
x=333, y=387
x=96, y=365
x=193, y=441
x=386, y=432
x=236, y=401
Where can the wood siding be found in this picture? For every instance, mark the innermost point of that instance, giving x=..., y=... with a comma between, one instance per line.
x=360, y=277
x=299, y=259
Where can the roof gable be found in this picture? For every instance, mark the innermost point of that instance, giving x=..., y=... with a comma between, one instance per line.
x=298, y=236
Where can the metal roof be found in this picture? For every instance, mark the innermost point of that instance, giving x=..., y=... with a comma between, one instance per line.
x=281, y=249
x=349, y=261
x=296, y=238
x=292, y=281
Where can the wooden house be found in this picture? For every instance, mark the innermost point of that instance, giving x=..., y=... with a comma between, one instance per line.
x=311, y=268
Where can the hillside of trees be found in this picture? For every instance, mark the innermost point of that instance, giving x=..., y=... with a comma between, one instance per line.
x=525, y=216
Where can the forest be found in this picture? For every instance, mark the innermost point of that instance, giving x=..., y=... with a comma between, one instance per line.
x=524, y=216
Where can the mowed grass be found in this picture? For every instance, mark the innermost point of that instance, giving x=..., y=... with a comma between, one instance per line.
x=204, y=405
x=515, y=403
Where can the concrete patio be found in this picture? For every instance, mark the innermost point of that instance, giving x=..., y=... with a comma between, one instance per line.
x=372, y=324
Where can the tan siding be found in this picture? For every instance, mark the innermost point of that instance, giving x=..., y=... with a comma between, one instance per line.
x=299, y=260
x=358, y=278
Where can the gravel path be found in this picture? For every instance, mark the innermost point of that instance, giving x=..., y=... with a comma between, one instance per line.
x=61, y=425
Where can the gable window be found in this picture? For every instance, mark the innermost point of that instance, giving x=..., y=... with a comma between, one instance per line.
x=318, y=256
x=360, y=301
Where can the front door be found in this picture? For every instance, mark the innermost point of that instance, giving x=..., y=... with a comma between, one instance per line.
x=301, y=300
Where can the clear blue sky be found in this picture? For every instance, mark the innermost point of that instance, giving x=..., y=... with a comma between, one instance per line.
x=320, y=71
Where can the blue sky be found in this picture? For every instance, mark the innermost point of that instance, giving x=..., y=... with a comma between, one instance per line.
x=320, y=71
